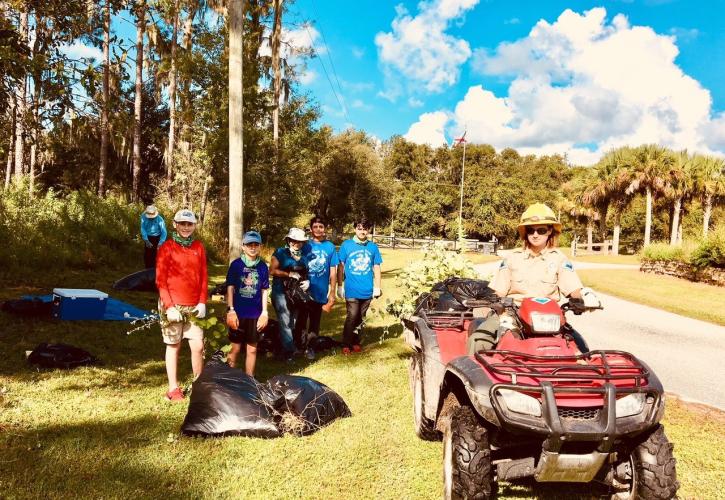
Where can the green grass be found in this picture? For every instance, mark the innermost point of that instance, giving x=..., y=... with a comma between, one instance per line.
x=105, y=432
x=694, y=300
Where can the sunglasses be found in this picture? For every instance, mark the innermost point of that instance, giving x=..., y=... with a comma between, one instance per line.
x=538, y=230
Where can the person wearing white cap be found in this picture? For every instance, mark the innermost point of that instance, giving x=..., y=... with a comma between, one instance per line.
x=288, y=262
x=153, y=234
x=181, y=277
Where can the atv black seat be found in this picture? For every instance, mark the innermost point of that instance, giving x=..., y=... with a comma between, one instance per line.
x=518, y=364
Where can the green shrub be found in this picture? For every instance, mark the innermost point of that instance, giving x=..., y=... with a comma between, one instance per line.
x=664, y=252
x=419, y=276
x=710, y=252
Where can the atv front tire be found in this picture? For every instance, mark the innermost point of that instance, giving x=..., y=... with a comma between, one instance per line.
x=424, y=427
x=649, y=470
x=467, y=468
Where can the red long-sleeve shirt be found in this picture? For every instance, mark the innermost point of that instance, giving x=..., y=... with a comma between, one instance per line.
x=181, y=274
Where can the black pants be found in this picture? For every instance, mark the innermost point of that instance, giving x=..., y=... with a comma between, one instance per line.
x=149, y=254
x=311, y=312
x=356, y=309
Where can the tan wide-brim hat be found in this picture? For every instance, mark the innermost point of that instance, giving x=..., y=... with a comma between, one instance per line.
x=151, y=211
x=296, y=234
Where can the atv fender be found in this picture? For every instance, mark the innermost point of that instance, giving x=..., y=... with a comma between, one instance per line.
x=463, y=372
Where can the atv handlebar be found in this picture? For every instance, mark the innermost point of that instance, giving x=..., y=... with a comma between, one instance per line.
x=577, y=306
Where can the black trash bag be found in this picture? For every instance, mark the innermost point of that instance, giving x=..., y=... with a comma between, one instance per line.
x=141, y=281
x=220, y=289
x=322, y=343
x=226, y=401
x=468, y=291
x=28, y=308
x=269, y=339
x=313, y=403
x=296, y=297
x=60, y=356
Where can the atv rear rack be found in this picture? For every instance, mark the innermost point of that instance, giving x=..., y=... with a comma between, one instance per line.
x=518, y=364
x=445, y=319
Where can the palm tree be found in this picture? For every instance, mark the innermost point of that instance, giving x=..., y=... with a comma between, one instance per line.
x=649, y=164
x=678, y=189
x=236, y=163
x=708, y=179
x=140, y=11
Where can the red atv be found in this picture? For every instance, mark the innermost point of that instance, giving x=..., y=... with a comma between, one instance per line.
x=534, y=402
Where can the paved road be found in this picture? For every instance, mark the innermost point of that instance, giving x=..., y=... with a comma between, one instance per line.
x=687, y=355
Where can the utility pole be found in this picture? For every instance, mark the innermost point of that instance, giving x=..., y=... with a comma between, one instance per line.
x=236, y=163
x=461, y=140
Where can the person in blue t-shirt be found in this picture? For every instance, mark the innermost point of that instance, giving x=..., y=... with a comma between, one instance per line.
x=322, y=272
x=153, y=234
x=359, y=268
x=288, y=262
x=247, y=292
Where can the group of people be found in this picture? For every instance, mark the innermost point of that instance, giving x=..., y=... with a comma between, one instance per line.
x=317, y=268
x=313, y=265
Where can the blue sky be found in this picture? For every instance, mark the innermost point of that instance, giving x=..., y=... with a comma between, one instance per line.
x=575, y=77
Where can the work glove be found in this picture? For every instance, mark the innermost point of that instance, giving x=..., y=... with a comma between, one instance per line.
x=174, y=315
x=305, y=285
x=341, y=292
x=294, y=275
x=200, y=310
x=148, y=244
x=232, y=320
x=591, y=301
x=377, y=292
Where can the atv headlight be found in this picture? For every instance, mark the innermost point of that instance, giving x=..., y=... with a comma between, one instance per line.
x=630, y=405
x=545, y=323
x=520, y=403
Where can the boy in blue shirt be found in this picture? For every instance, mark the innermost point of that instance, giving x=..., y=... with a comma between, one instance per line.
x=359, y=268
x=247, y=292
x=153, y=234
x=322, y=271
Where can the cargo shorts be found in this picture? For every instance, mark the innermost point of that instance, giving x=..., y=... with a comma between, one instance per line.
x=175, y=332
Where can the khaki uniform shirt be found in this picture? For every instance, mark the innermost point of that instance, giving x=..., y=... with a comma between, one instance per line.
x=523, y=274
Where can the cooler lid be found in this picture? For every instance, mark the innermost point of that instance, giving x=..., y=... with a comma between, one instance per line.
x=80, y=293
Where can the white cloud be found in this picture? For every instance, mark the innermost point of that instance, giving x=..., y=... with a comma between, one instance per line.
x=513, y=20
x=358, y=53
x=307, y=77
x=585, y=81
x=360, y=104
x=419, y=48
x=415, y=103
x=429, y=129
x=295, y=44
x=79, y=50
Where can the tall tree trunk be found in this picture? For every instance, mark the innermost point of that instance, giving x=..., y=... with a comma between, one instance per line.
x=590, y=234
x=104, y=99
x=11, y=145
x=648, y=218
x=202, y=205
x=236, y=163
x=675, y=221
x=21, y=104
x=679, y=230
x=140, y=26
x=616, y=232
x=185, y=84
x=40, y=25
x=276, y=45
x=707, y=212
x=172, y=97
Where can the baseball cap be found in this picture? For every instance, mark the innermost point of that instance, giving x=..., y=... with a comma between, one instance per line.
x=251, y=237
x=151, y=211
x=185, y=215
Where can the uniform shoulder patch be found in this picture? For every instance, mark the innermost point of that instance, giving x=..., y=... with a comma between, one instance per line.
x=568, y=265
x=503, y=265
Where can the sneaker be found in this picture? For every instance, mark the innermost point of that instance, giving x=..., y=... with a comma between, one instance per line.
x=310, y=354
x=175, y=395
x=356, y=348
x=346, y=350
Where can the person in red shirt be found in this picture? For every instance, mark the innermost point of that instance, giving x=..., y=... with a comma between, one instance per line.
x=182, y=281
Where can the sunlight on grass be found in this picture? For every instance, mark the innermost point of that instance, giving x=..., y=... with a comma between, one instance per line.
x=106, y=431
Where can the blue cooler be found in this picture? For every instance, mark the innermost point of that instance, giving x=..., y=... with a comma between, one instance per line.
x=79, y=303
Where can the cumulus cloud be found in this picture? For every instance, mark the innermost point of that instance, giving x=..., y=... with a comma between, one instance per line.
x=79, y=50
x=585, y=81
x=419, y=49
x=429, y=129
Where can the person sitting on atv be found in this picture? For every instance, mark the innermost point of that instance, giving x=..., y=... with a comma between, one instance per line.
x=537, y=269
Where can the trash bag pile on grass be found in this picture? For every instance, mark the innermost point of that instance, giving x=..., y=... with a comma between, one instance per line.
x=33, y=308
x=227, y=402
x=142, y=281
x=60, y=356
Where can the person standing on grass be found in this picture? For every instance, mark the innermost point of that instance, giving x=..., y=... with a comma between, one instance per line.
x=153, y=234
x=359, y=269
x=322, y=267
x=247, y=292
x=288, y=263
x=181, y=277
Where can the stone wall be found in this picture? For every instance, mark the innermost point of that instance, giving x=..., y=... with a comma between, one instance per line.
x=709, y=275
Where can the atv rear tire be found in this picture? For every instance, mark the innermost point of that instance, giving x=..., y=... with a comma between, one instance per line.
x=467, y=468
x=651, y=472
x=424, y=427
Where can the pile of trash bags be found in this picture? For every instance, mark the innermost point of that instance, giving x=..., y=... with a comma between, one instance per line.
x=141, y=281
x=227, y=402
x=457, y=294
x=60, y=356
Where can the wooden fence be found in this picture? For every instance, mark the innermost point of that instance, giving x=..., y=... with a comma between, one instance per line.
x=586, y=248
x=469, y=245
